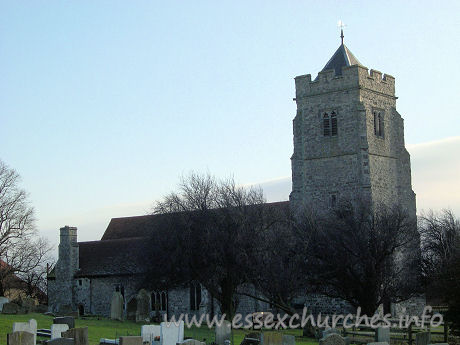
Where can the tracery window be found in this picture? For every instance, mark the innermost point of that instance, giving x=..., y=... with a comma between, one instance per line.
x=159, y=300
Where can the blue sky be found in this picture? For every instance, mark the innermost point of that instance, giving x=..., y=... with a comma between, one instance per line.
x=104, y=104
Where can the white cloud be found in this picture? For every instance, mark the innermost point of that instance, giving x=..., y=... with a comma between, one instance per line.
x=435, y=180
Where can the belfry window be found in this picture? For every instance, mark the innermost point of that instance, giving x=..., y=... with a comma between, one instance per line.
x=378, y=124
x=330, y=124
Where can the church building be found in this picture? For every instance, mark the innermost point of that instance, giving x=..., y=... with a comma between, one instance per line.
x=348, y=145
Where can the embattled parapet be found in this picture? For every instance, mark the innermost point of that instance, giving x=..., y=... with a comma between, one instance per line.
x=352, y=77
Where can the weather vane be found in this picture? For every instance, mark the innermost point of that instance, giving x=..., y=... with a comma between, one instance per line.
x=341, y=25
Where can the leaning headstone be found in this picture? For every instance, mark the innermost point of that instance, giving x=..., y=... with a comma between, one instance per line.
x=116, y=306
x=68, y=320
x=382, y=334
x=171, y=333
x=20, y=338
x=272, y=338
x=80, y=335
x=422, y=338
x=330, y=331
x=3, y=300
x=61, y=341
x=223, y=332
x=332, y=339
x=10, y=308
x=30, y=327
x=149, y=332
x=143, y=305
x=57, y=329
x=130, y=340
x=288, y=340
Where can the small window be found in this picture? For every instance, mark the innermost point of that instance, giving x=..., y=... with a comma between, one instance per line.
x=195, y=296
x=80, y=282
x=378, y=123
x=330, y=124
x=333, y=200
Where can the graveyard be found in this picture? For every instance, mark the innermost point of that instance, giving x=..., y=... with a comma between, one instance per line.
x=35, y=328
x=103, y=328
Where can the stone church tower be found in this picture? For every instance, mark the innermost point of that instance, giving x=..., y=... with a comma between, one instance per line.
x=349, y=138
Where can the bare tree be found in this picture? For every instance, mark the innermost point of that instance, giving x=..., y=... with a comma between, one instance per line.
x=440, y=239
x=365, y=256
x=280, y=269
x=21, y=252
x=215, y=228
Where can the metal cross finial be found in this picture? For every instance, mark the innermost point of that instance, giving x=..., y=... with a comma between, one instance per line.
x=341, y=25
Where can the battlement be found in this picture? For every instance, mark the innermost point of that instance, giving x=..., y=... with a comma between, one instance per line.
x=355, y=76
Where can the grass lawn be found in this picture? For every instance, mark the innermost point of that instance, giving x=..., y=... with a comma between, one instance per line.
x=105, y=328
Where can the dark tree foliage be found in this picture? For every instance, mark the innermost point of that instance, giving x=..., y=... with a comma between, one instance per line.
x=366, y=257
x=280, y=267
x=440, y=240
x=211, y=237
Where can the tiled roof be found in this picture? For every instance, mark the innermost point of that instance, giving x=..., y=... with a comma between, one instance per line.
x=341, y=58
x=123, y=247
x=138, y=226
x=143, y=226
x=125, y=256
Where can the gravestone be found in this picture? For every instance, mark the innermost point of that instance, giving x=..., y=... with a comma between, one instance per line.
x=28, y=304
x=20, y=338
x=61, y=341
x=41, y=308
x=288, y=340
x=130, y=341
x=116, y=306
x=332, y=339
x=422, y=338
x=57, y=329
x=68, y=320
x=272, y=338
x=80, y=335
x=65, y=309
x=10, y=308
x=149, y=332
x=251, y=339
x=382, y=334
x=143, y=306
x=379, y=343
x=330, y=331
x=171, y=333
x=191, y=342
x=3, y=300
x=30, y=327
x=223, y=332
